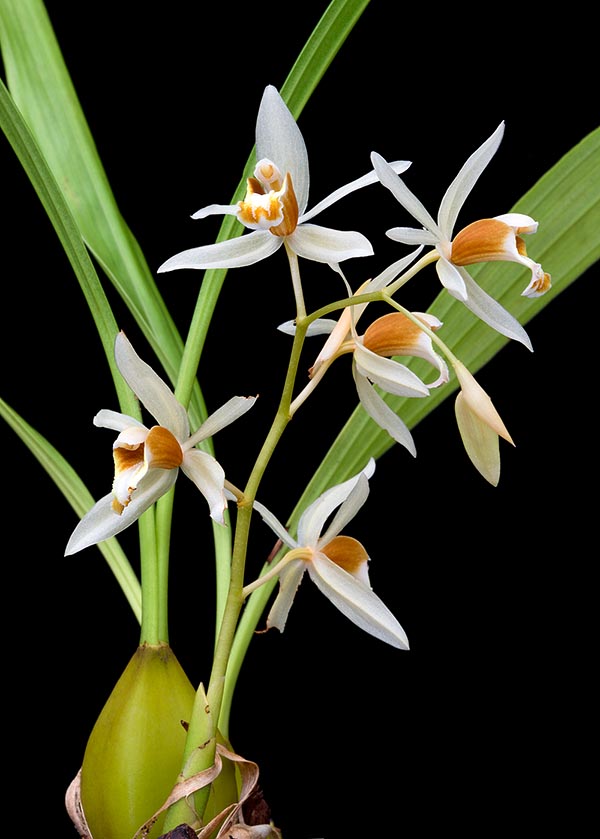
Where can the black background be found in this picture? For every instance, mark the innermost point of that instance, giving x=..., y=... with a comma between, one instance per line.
x=481, y=726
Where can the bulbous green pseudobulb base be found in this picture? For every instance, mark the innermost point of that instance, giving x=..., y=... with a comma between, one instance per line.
x=133, y=755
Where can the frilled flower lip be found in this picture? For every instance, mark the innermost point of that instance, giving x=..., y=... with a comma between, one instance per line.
x=348, y=590
x=279, y=141
x=140, y=484
x=438, y=234
x=499, y=239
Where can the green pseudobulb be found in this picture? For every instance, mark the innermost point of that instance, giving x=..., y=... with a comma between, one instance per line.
x=133, y=756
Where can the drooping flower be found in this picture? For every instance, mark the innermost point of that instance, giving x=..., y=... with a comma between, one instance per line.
x=337, y=564
x=374, y=362
x=274, y=207
x=495, y=239
x=479, y=424
x=147, y=460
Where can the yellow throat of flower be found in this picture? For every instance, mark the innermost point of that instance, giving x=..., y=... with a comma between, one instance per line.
x=275, y=209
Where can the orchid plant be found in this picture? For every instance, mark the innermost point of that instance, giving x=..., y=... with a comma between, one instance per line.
x=159, y=760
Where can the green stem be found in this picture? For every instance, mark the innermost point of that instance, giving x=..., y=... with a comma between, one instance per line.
x=199, y=753
x=150, y=630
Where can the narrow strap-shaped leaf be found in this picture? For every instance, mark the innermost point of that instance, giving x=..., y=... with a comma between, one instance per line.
x=52, y=198
x=59, y=213
x=42, y=89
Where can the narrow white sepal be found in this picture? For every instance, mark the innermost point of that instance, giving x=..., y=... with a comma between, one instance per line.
x=208, y=476
x=316, y=514
x=458, y=191
x=232, y=253
x=381, y=413
x=390, y=375
x=357, y=602
x=156, y=396
x=234, y=408
x=279, y=139
x=412, y=236
x=402, y=193
x=491, y=312
x=325, y=244
x=320, y=326
x=289, y=580
x=365, y=180
x=102, y=522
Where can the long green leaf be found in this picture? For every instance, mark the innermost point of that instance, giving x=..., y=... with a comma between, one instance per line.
x=51, y=197
x=42, y=89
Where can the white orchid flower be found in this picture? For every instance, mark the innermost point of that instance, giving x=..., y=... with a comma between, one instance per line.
x=147, y=460
x=338, y=565
x=483, y=241
x=394, y=334
x=274, y=208
x=373, y=362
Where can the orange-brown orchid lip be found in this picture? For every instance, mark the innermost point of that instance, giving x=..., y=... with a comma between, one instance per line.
x=392, y=334
x=289, y=205
x=485, y=240
x=160, y=450
x=346, y=552
x=163, y=451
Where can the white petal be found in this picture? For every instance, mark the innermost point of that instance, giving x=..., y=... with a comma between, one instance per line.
x=464, y=182
x=217, y=210
x=279, y=139
x=520, y=222
x=357, y=602
x=115, y=420
x=289, y=327
x=209, y=477
x=341, y=331
x=101, y=522
x=320, y=326
x=390, y=375
x=325, y=244
x=382, y=414
x=391, y=272
x=346, y=512
x=223, y=416
x=491, y=312
x=289, y=580
x=451, y=277
x=412, y=236
x=316, y=514
x=402, y=193
x=365, y=180
x=275, y=525
x=151, y=390
x=133, y=435
x=232, y=253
